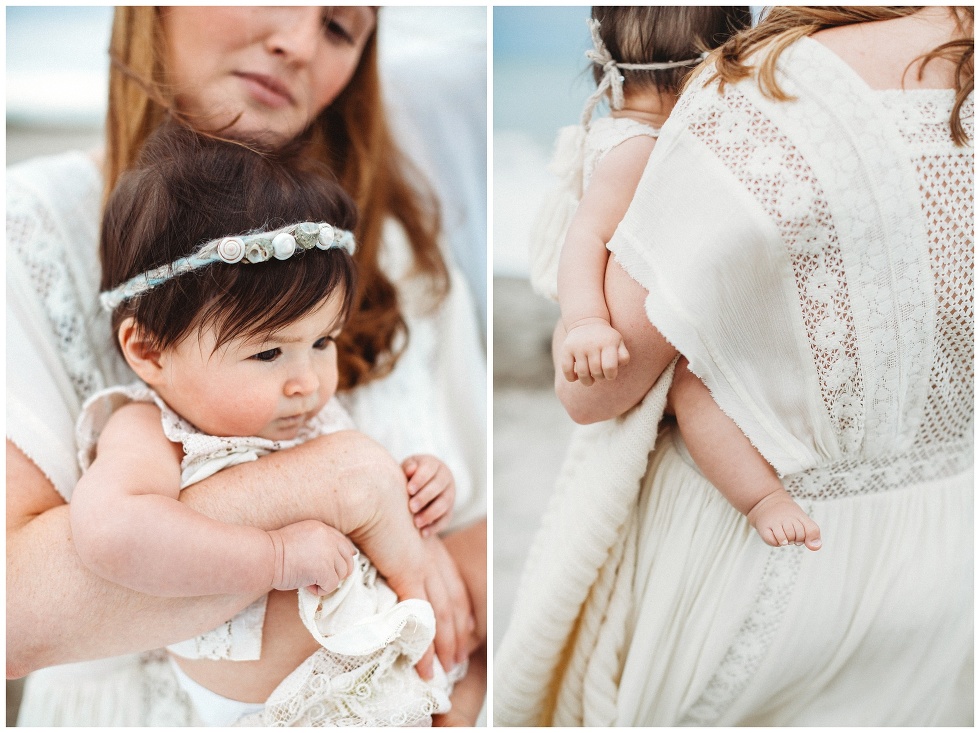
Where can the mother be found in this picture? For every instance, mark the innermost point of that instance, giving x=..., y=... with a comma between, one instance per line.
x=803, y=235
x=411, y=361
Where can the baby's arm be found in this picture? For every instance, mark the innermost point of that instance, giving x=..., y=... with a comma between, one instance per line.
x=730, y=462
x=431, y=491
x=129, y=527
x=592, y=348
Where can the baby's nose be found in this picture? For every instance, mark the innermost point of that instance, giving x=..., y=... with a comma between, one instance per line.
x=303, y=382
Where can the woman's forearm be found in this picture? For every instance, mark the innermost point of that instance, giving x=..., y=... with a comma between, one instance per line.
x=345, y=480
x=58, y=611
x=649, y=352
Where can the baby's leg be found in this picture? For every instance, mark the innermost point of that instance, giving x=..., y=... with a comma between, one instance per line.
x=730, y=462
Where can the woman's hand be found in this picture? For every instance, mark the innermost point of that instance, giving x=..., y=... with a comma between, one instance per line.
x=451, y=602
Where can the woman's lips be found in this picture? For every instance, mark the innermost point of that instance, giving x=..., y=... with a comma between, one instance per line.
x=267, y=90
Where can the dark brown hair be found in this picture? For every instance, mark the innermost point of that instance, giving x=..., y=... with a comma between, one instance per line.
x=646, y=34
x=351, y=136
x=187, y=189
x=783, y=26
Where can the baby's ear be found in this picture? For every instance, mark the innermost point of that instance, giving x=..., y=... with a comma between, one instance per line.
x=140, y=354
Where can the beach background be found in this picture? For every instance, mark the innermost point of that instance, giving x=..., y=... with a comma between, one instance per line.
x=541, y=80
x=55, y=101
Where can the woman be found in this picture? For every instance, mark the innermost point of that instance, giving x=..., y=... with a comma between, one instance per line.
x=281, y=71
x=803, y=235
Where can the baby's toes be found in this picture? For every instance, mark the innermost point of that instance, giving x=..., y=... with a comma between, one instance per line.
x=794, y=531
x=812, y=540
x=777, y=534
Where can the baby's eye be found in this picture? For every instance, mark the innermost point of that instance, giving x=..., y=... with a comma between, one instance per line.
x=323, y=343
x=267, y=355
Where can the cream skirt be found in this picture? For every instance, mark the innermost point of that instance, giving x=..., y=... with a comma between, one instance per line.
x=875, y=628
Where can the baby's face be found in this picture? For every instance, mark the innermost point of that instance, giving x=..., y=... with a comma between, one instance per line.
x=266, y=386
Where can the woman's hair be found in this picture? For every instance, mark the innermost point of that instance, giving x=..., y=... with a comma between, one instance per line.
x=187, y=189
x=648, y=34
x=782, y=26
x=351, y=137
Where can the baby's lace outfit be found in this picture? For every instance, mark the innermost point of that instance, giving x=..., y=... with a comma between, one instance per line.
x=578, y=151
x=363, y=674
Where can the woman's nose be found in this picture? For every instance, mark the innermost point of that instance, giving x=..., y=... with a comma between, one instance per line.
x=297, y=34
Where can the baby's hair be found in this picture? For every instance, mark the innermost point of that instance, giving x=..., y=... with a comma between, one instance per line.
x=645, y=34
x=187, y=189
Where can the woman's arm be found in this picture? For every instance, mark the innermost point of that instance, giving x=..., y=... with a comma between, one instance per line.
x=649, y=352
x=58, y=611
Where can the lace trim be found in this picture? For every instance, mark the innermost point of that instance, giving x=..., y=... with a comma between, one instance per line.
x=752, y=641
x=889, y=472
x=605, y=134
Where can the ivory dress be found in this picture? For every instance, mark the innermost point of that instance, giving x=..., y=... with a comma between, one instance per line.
x=60, y=352
x=813, y=260
x=577, y=153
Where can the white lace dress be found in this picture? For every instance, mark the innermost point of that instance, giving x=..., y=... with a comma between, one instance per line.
x=60, y=351
x=814, y=261
x=364, y=675
x=577, y=153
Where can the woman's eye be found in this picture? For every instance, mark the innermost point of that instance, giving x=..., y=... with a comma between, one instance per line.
x=267, y=355
x=336, y=30
x=323, y=343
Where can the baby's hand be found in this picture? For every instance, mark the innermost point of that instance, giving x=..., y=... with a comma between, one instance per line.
x=779, y=520
x=431, y=491
x=592, y=350
x=312, y=555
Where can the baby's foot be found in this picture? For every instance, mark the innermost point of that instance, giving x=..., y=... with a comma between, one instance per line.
x=780, y=521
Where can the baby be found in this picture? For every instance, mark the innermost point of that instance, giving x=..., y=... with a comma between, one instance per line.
x=641, y=57
x=229, y=276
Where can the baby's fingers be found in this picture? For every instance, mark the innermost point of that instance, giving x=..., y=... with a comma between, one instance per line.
x=568, y=366
x=624, y=354
x=435, y=510
x=422, y=476
x=610, y=363
x=427, y=493
x=584, y=372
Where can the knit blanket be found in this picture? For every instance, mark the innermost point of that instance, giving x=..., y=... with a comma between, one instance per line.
x=560, y=659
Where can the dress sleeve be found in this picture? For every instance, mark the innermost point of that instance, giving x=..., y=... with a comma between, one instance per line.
x=52, y=319
x=722, y=291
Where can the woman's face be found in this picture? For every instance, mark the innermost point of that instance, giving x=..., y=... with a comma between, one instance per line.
x=276, y=67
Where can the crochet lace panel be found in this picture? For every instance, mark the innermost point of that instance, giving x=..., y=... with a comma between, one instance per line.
x=39, y=242
x=774, y=171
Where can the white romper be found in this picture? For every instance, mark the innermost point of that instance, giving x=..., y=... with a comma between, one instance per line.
x=364, y=673
x=577, y=153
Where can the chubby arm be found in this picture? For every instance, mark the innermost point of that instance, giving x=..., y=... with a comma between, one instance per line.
x=649, y=352
x=592, y=349
x=345, y=479
x=130, y=528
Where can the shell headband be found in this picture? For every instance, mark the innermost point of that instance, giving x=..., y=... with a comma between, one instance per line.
x=612, y=78
x=250, y=248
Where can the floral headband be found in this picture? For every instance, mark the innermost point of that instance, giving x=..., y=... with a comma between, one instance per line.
x=250, y=248
x=612, y=77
